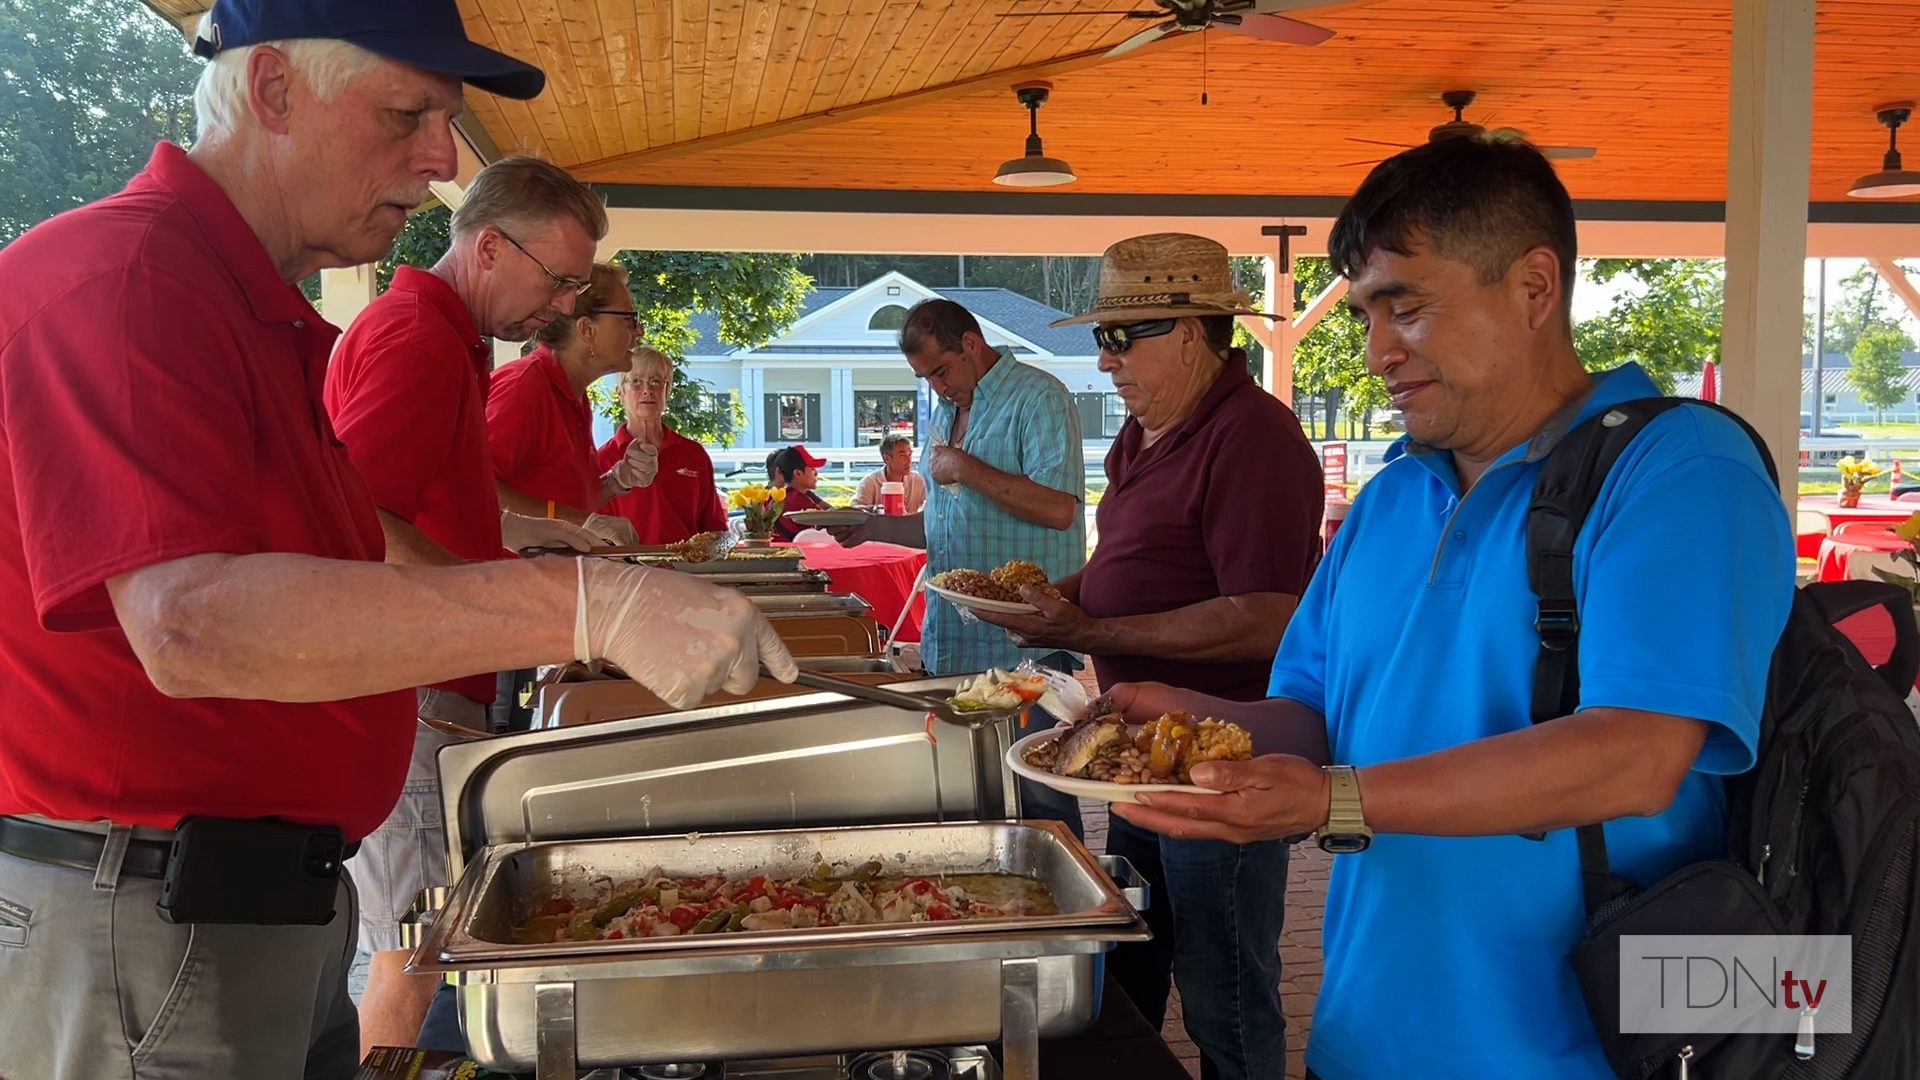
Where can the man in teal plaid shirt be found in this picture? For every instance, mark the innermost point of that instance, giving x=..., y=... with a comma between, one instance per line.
x=1005, y=480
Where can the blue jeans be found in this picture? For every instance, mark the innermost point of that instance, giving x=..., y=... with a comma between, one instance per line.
x=1217, y=913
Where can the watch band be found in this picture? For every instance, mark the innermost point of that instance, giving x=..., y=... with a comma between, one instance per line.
x=1346, y=828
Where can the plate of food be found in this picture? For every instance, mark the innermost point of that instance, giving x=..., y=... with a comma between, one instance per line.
x=994, y=590
x=1104, y=757
x=828, y=519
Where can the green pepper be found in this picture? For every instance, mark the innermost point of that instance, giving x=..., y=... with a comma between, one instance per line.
x=739, y=916
x=619, y=904
x=582, y=928
x=864, y=874
x=712, y=922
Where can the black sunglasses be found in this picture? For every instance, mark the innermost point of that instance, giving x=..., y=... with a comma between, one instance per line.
x=623, y=313
x=1118, y=339
x=561, y=283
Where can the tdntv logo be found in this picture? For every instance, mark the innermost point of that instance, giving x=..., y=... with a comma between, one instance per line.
x=1749, y=984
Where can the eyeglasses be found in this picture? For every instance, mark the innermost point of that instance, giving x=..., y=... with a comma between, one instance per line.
x=652, y=383
x=1118, y=339
x=561, y=283
x=632, y=317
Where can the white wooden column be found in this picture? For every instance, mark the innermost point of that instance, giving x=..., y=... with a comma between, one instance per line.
x=1769, y=144
x=345, y=293
x=506, y=352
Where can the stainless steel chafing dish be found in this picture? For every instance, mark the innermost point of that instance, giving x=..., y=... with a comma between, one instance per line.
x=783, y=779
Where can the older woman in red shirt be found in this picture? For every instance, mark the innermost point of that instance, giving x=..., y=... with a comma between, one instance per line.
x=680, y=499
x=540, y=427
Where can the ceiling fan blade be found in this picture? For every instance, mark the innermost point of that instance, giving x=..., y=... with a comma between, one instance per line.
x=1351, y=164
x=1064, y=14
x=1282, y=29
x=1274, y=7
x=1567, y=153
x=1144, y=37
x=1379, y=142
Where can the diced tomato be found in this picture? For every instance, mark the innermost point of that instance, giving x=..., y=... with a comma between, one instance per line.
x=684, y=916
x=941, y=912
x=614, y=935
x=919, y=887
x=559, y=905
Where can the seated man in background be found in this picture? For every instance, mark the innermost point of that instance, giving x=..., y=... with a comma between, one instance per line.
x=896, y=467
x=798, y=472
x=680, y=498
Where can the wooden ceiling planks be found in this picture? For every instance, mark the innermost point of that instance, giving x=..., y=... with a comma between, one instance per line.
x=1645, y=83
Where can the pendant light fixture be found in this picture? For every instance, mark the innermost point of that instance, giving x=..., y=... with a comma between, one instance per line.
x=1034, y=168
x=1892, y=181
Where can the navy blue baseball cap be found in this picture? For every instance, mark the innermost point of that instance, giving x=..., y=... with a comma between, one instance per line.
x=427, y=34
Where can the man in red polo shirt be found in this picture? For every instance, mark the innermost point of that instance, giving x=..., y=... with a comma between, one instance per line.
x=407, y=394
x=219, y=645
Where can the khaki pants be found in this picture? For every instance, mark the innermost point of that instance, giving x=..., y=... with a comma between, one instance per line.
x=94, y=985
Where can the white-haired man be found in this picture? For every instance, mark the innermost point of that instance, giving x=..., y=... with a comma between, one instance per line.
x=210, y=694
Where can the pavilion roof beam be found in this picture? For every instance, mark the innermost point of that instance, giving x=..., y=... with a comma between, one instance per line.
x=1899, y=282
x=614, y=168
x=1769, y=162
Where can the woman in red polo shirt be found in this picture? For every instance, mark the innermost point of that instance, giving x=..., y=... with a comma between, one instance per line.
x=540, y=427
x=682, y=499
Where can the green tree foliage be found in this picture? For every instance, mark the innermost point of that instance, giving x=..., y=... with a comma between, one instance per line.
x=1863, y=303
x=86, y=88
x=754, y=297
x=1877, y=371
x=1667, y=321
x=1331, y=360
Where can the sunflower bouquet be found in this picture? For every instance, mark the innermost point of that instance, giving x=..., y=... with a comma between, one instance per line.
x=763, y=506
x=1854, y=474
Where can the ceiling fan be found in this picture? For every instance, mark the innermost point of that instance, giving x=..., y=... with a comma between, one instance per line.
x=1461, y=128
x=1255, y=18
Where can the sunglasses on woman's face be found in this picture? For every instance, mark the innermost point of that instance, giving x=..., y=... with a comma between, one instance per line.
x=631, y=316
x=1118, y=339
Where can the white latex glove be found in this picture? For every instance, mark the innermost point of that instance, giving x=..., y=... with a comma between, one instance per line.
x=609, y=529
x=674, y=634
x=636, y=468
x=519, y=532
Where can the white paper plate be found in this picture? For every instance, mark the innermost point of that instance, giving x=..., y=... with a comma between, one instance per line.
x=1105, y=790
x=827, y=519
x=982, y=604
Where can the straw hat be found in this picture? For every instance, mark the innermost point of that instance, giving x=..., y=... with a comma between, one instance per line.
x=1164, y=276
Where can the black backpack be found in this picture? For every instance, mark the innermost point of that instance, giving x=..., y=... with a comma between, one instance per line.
x=1821, y=832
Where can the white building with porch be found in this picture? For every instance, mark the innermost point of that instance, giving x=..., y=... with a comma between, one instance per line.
x=836, y=378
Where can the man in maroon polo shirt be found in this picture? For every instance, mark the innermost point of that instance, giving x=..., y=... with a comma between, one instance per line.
x=1209, y=532
x=407, y=394
x=219, y=644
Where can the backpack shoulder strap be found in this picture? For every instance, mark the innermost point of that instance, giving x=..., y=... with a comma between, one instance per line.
x=1564, y=494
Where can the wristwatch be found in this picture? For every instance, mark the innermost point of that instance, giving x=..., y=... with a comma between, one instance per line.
x=1345, y=832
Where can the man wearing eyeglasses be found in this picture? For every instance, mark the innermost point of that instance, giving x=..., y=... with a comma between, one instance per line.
x=407, y=390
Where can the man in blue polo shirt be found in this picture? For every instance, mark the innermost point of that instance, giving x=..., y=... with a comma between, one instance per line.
x=1408, y=668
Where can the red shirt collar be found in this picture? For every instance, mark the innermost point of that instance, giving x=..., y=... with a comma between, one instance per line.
x=271, y=299
x=549, y=364
x=434, y=291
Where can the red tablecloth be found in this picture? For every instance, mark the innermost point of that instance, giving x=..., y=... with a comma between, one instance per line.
x=882, y=575
x=1835, y=550
x=1872, y=633
x=1872, y=508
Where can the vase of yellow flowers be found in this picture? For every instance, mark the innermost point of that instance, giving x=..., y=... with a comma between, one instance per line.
x=763, y=505
x=1854, y=474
